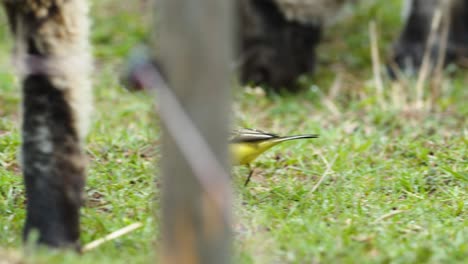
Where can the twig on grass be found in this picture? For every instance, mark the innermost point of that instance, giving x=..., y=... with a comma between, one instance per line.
x=376, y=62
x=327, y=100
x=332, y=94
x=327, y=171
x=426, y=61
x=441, y=53
x=96, y=243
x=389, y=215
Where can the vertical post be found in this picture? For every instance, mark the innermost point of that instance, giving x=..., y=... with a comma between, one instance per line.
x=196, y=47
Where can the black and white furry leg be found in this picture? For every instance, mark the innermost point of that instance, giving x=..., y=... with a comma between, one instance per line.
x=53, y=56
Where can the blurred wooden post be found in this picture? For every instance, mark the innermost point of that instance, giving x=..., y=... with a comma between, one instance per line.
x=196, y=43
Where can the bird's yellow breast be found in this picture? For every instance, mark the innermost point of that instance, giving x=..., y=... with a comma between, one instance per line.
x=245, y=152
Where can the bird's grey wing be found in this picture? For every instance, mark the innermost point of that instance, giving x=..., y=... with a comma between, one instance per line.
x=250, y=135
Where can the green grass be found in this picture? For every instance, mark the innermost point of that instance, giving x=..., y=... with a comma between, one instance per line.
x=385, y=183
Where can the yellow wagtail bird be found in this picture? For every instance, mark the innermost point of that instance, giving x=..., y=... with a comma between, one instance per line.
x=247, y=144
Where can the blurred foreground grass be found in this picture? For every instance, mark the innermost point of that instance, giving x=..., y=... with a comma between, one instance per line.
x=385, y=182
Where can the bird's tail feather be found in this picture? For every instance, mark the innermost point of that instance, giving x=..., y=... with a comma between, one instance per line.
x=287, y=138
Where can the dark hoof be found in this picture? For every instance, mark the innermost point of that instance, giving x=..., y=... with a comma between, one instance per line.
x=52, y=239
